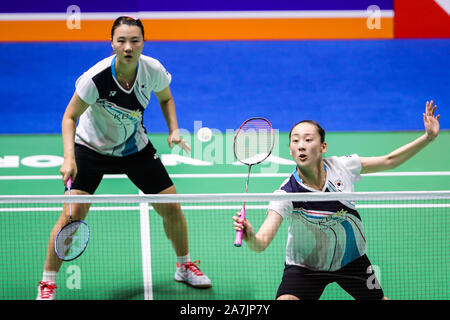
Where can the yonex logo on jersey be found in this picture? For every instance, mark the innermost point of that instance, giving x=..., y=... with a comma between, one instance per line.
x=155, y=156
x=112, y=93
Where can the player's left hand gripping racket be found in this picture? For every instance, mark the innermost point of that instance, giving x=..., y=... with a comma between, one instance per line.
x=73, y=238
x=253, y=144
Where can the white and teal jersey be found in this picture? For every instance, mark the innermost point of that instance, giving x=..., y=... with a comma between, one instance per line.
x=112, y=125
x=326, y=235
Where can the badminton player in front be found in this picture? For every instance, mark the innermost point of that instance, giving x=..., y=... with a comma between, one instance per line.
x=326, y=241
x=108, y=102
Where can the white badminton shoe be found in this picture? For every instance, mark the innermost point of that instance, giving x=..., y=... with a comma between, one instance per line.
x=190, y=274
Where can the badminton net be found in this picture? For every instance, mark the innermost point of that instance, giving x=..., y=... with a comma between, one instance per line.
x=129, y=256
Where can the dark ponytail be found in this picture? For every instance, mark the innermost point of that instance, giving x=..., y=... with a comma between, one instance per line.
x=320, y=130
x=128, y=21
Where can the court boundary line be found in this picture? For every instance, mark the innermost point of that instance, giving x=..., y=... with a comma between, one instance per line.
x=231, y=175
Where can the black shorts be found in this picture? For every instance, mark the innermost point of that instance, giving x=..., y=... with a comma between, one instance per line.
x=144, y=168
x=356, y=278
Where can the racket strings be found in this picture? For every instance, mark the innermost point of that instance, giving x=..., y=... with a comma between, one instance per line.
x=71, y=240
x=254, y=141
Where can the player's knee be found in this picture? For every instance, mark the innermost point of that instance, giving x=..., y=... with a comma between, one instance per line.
x=169, y=210
x=173, y=209
x=79, y=210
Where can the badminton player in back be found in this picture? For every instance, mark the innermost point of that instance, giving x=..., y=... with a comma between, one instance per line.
x=326, y=241
x=108, y=102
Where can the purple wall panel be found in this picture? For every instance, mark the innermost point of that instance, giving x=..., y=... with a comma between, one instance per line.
x=189, y=5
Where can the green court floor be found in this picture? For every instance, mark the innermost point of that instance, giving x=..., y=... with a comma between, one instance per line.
x=411, y=247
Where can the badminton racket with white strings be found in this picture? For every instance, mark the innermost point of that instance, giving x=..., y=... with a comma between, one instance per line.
x=73, y=238
x=253, y=144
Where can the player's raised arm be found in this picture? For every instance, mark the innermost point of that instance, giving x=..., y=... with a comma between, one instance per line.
x=404, y=153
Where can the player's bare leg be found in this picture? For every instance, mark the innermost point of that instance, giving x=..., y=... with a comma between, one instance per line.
x=175, y=224
x=176, y=229
x=47, y=287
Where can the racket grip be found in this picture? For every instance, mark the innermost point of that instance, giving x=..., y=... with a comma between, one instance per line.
x=238, y=240
x=69, y=183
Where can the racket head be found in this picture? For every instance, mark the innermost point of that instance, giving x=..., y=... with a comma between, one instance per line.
x=72, y=240
x=254, y=141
